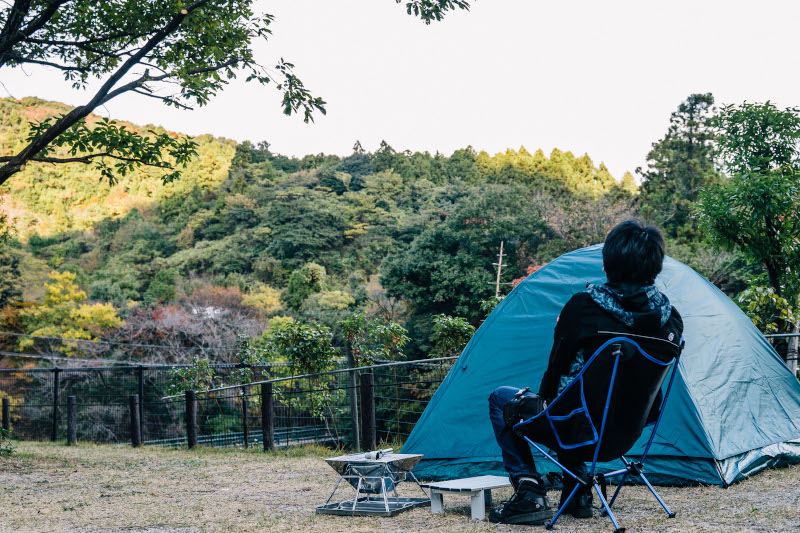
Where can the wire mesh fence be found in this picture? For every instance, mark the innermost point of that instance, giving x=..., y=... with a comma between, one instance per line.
x=292, y=410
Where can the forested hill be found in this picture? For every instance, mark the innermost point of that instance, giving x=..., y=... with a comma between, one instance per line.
x=51, y=199
x=398, y=234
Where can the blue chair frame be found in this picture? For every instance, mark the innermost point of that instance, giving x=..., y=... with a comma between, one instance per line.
x=631, y=468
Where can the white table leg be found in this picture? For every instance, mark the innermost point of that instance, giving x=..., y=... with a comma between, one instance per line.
x=478, y=505
x=437, y=503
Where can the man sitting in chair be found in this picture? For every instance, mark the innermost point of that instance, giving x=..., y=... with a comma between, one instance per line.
x=628, y=303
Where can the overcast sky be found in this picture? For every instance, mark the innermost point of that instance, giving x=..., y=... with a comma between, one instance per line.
x=596, y=77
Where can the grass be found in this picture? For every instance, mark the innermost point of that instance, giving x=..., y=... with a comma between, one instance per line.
x=93, y=488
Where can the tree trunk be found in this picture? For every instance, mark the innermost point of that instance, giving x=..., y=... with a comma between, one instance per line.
x=791, y=353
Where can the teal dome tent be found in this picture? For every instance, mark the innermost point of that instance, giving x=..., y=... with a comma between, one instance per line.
x=734, y=410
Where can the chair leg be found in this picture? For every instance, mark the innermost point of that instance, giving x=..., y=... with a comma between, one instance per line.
x=599, y=492
x=619, y=488
x=664, y=505
x=561, y=510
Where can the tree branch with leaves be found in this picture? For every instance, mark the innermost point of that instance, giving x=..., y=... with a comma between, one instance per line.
x=180, y=53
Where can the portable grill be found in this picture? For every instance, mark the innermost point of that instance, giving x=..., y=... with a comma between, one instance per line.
x=374, y=475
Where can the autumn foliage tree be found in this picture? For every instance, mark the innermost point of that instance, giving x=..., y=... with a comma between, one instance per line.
x=65, y=313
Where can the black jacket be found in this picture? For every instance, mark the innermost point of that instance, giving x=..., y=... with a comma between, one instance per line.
x=579, y=323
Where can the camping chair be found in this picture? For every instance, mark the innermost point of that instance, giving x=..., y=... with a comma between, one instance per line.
x=599, y=416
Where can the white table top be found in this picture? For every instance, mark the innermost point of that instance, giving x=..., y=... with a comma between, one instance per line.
x=470, y=484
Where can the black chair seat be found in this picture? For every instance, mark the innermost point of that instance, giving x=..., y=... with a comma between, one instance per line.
x=601, y=414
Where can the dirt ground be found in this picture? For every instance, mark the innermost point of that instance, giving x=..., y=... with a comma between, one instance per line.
x=89, y=488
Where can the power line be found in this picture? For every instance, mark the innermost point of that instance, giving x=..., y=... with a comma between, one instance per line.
x=112, y=343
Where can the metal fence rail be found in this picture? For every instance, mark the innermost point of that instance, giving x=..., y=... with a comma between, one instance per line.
x=265, y=406
x=302, y=409
x=38, y=400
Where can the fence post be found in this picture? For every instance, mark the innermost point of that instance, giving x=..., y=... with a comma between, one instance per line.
x=136, y=425
x=267, y=426
x=352, y=392
x=191, y=419
x=141, y=400
x=7, y=414
x=245, y=429
x=72, y=423
x=56, y=387
x=368, y=435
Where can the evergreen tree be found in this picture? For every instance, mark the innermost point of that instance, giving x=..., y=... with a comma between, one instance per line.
x=357, y=165
x=679, y=166
x=461, y=166
x=383, y=159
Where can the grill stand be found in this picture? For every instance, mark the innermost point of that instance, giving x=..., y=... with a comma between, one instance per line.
x=386, y=477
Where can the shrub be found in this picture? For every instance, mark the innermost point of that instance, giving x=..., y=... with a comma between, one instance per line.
x=372, y=339
x=197, y=376
x=6, y=446
x=450, y=334
x=307, y=347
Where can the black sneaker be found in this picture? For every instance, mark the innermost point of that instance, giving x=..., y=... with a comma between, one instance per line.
x=580, y=506
x=528, y=505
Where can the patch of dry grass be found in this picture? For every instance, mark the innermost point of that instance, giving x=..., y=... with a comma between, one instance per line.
x=89, y=488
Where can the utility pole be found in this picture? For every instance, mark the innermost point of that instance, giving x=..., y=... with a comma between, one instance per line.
x=499, y=266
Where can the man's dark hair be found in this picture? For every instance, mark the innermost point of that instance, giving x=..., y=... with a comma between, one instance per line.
x=633, y=253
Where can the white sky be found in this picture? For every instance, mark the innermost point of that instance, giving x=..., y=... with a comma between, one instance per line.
x=596, y=77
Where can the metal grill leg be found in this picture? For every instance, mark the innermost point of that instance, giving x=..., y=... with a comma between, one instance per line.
x=383, y=491
x=417, y=482
x=334, y=491
x=358, y=490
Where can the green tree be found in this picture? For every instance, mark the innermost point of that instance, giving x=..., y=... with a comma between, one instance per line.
x=679, y=166
x=9, y=265
x=304, y=224
x=162, y=287
x=371, y=340
x=303, y=283
x=461, y=166
x=197, y=376
x=306, y=347
x=383, y=158
x=757, y=209
x=447, y=269
x=450, y=335
x=181, y=53
x=767, y=310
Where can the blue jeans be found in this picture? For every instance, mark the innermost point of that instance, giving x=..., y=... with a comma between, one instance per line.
x=517, y=457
